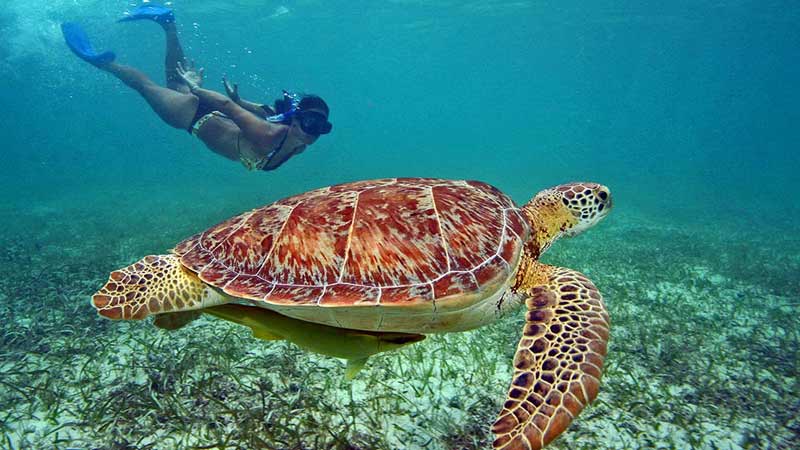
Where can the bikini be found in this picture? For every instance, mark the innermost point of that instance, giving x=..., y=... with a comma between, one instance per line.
x=201, y=116
x=204, y=113
x=261, y=163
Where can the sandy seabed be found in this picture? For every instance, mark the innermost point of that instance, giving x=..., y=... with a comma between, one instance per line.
x=703, y=353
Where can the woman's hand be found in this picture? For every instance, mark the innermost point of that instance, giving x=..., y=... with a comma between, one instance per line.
x=231, y=89
x=193, y=78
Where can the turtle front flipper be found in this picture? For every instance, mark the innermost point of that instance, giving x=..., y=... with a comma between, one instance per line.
x=559, y=358
x=154, y=285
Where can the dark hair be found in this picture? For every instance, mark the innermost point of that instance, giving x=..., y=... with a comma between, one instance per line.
x=308, y=101
x=314, y=102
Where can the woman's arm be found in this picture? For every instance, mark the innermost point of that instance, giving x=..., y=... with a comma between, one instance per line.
x=255, y=129
x=262, y=111
x=233, y=93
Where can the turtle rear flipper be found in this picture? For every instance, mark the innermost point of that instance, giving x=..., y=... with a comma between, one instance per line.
x=559, y=358
x=154, y=285
x=176, y=320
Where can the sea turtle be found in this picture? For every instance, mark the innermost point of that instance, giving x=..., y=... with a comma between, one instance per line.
x=386, y=261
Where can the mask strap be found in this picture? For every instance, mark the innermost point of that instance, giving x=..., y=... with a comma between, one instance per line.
x=294, y=100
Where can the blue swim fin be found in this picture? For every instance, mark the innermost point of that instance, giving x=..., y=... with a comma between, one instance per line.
x=150, y=11
x=78, y=42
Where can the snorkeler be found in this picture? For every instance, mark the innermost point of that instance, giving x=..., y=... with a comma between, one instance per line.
x=260, y=136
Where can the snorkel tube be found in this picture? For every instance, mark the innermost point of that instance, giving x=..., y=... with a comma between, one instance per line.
x=285, y=117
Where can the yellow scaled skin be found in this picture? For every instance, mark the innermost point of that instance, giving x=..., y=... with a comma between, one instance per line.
x=353, y=345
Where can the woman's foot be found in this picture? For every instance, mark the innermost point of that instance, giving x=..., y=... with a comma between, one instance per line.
x=79, y=43
x=157, y=13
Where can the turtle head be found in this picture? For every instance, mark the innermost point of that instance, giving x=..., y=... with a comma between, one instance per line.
x=588, y=203
x=567, y=210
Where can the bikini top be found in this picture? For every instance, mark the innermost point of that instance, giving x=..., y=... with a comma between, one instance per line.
x=260, y=163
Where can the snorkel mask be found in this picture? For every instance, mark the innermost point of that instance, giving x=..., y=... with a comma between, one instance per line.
x=311, y=122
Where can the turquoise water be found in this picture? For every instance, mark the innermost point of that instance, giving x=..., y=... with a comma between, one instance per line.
x=687, y=110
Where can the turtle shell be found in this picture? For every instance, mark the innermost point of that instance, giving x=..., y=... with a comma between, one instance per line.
x=404, y=244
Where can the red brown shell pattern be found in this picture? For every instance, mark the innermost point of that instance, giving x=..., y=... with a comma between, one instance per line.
x=387, y=242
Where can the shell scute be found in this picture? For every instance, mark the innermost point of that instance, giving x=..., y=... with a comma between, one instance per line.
x=516, y=222
x=358, y=186
x=197, y=259
x=508, y=247
x=455, y=283
x=217, y=274
x=214, y=236
x=242, y=251
x=349, y=295
x=247, y=286
x=391, y=241
x=495, y=267
x=490, y=192
x=408, y=295
x=469, y=234
x=294, y=295
x=301, y=198
x=311, y=245
x=252, y=239
x=187, y=244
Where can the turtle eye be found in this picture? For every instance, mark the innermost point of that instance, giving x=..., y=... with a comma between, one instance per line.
x=603, y=195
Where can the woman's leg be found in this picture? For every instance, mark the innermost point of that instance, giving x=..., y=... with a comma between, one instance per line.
x=174, y=55
x=175, y=108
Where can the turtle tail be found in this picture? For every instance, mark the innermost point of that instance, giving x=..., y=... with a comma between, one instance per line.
x=156, y=284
